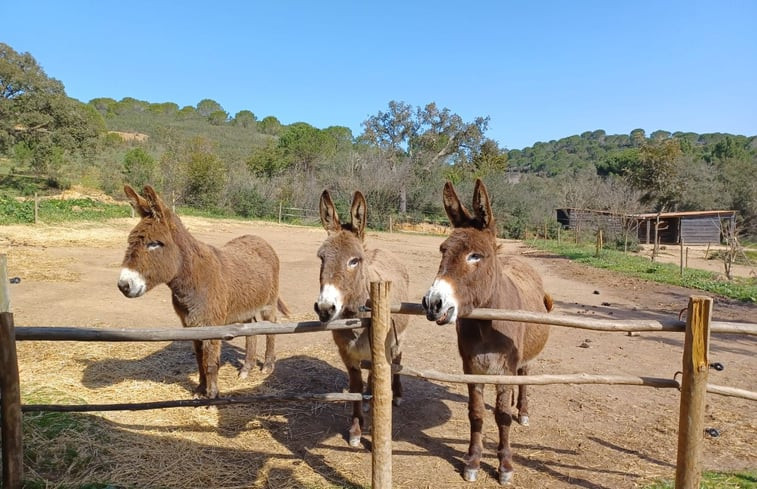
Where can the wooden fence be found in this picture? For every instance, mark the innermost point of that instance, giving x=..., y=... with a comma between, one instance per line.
x=693, y=384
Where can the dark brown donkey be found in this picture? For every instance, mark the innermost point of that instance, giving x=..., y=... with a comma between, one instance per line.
x=347, y=270
x=472, y=275
x=209, y=286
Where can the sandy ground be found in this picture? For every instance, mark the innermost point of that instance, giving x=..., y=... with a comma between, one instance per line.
x=580, y=436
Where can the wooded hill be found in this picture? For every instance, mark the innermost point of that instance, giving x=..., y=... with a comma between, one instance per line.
x=203, y=157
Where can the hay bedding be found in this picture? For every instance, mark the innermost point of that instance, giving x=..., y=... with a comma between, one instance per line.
x=228, y=447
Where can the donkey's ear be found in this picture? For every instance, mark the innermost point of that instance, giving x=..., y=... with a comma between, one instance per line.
x=140, y=205
x=157, y=207
x=482, y=207
x=329, y=217
x=458, y=215
x=358, y=211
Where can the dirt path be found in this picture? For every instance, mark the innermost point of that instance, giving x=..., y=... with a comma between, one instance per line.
x=585, y=436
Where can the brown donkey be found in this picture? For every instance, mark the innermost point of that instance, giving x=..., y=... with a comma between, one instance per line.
x=209, y=286
x=472, y=275
x=347, y=270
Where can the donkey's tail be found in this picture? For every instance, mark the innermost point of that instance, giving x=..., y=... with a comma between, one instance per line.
x=548, y=302
x=282, y=307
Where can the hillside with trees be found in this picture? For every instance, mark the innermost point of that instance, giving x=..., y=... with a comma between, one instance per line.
x=247, y=165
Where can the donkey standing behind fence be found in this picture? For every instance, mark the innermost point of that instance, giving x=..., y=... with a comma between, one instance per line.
x=472, y=275
x=347, y=270
x=209, y=286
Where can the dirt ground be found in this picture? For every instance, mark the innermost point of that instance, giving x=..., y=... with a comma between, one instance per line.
x=589, y=436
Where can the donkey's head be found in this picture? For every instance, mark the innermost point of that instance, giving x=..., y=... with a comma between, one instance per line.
x=152, y=256
x=343, y=277
x=468, y=269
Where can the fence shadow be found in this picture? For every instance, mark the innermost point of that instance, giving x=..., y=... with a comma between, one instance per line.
x=303, y=428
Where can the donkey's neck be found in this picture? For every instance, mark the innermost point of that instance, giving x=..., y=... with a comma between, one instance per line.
x=197, y=261
x=503, y=290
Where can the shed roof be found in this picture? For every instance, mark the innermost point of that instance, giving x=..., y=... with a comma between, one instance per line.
x=650, y=215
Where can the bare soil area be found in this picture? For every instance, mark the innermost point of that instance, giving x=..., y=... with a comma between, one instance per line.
x=590, y=436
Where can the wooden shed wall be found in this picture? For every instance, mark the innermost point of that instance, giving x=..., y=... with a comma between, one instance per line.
x=699, y=230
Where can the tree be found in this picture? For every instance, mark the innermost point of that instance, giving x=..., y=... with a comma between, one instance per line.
x=244, y=118
x=206, y=174
x=266, y=161
x=35, y=112
x=489, y=159
x=301, y=144
x=218, y=118
x=139, y=168
x=270, y=125
x=638, y=137
x=206, y=106
x=657, y=173
x=423, y=138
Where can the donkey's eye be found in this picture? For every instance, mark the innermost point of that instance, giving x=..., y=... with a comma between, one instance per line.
x=474, y=257
x=353, y=262
x=154, y=245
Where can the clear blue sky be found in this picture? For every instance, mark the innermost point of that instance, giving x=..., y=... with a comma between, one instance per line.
x=541, y=70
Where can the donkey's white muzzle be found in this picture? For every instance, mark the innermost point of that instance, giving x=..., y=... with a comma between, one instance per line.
x=131, y=284
x=440, y=303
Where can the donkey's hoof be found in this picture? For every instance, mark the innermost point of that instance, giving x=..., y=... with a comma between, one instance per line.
x=505, y=476
x=267, y=368
x=470, y=475
x=244, y=372
x=397, y=401
x=354, y=441
x=523, y=420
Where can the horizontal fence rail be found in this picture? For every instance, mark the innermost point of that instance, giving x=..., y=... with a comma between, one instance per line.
x=229, y=332
x=223, y=401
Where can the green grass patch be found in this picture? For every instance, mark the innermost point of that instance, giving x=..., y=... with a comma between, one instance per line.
x=60, y=443
x=742, y=289
x=717, y=480
x=52, y=211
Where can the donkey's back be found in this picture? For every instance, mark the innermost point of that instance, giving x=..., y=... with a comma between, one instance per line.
x=251, y=269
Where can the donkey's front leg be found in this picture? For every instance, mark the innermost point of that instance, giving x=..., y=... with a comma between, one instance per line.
x=250, y=351
x=356, y=385
x=211, y=362
x=270, y=353
x=522, y=399
x=396, y=384
x=504, y=420
x=476, y=410
x=199, y=356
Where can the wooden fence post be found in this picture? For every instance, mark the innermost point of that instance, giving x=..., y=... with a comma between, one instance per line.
x=10, y=406
x=693, y=391
x=36, y=208
x=381, y=320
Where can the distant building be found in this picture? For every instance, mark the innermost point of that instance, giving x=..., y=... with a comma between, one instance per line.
x=690, y=227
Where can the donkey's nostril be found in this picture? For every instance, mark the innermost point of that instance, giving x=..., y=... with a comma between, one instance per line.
x=123, y=286
x=424, y=303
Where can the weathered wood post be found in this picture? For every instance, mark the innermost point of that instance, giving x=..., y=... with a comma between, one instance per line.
x=10, y=407
x=693, y=391
x=381, y=321
x=36, y=208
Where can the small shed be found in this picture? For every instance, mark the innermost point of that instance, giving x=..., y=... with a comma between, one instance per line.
x=590, y=219
x=690, y=227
